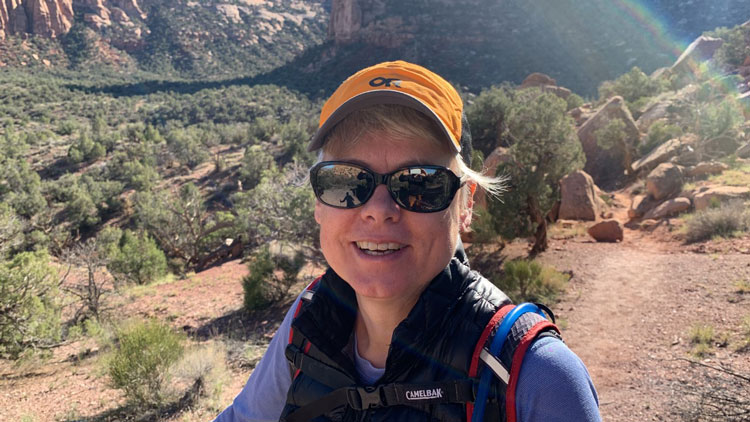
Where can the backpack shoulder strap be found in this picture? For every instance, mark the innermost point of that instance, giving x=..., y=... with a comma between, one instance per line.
x=518, y=327
x=294, y=338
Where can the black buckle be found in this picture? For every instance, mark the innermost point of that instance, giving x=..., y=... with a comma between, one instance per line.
x=363, y=398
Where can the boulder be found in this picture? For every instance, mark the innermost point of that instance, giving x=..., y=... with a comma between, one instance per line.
x=606, y=231
x=704, y=198
x=641, y=205
x=700, y=50
x=688, y=157
x=724, y=144
x=578, y=197
x=537, y=79
x=658, y=155
x=603, y=165
x=664, y=181
x=653, y=112
x=743, y=151
x=668, y=208
x=561, y=92
x=707, y=168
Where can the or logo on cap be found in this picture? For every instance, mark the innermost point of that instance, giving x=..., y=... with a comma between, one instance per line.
x=380, y=81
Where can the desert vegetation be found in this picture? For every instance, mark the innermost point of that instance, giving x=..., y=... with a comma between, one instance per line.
x=123, y=193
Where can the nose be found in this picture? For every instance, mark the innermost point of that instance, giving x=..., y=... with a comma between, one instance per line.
x=381, y=207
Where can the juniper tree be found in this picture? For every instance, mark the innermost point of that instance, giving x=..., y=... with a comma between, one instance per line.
x=543, y=147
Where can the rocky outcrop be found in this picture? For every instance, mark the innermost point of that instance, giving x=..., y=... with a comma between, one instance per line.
x=102, y=13
x=743, y=151
x=52, y=18
x=47, y=18
x=545, y=84
x=704, y=197
x=537, y=79
x=706, y=168
x=367, y=21
x=578, y=197
x=606, y=231
x=641, y=205
x=700, y=50
x=607, y=165
x=653, y=112
x=664, y=181
x=658, y=155
x=668, y=208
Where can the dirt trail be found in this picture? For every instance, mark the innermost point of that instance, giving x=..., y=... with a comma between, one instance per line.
x=628, y=312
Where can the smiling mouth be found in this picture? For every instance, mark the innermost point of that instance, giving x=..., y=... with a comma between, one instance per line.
x=379, y=249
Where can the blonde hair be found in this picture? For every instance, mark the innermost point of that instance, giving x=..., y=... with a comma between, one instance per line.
x=402, y=122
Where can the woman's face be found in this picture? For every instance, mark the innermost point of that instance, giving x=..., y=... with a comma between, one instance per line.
x=425, y=242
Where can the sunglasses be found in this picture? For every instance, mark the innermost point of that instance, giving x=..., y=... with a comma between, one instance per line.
x=424, y=189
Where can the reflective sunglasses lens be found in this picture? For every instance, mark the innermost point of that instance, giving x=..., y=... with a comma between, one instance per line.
x=422, y=189
x=342, y=186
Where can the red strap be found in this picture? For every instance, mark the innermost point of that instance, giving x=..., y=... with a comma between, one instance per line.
x=296, y=312
x=515, y=367
x=299, y=306
x=478, y=349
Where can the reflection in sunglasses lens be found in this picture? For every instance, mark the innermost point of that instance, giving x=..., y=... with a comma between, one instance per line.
x=419, y=189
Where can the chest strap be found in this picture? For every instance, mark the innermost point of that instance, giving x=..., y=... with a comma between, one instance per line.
x=364, y=398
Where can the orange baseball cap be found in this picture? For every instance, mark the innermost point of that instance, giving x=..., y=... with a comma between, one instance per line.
x=400, y=83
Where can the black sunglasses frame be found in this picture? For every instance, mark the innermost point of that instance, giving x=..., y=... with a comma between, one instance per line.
x=384, y=179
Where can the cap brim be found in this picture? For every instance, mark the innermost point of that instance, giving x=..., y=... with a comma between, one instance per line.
x=371, y=98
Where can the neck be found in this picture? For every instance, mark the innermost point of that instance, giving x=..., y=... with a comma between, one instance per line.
x=376, y=320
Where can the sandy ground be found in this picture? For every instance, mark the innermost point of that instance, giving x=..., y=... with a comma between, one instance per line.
x=627, y=313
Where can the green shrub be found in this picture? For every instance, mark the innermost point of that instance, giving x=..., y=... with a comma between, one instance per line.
x=632, y=86
x=67, y=127
x=280, y=208
x=138, y=259
x=20, y=186
x=186, y=146
x=255, y=161
x=726, y=220
x=736, y=47
x=203, y=369
x=702, y=338
x=611, y=135
x=30, y=304
x=530, y=281
x=718, y=118
x=573, y=101
x=262, y=286
x=544, y=149
x=85, y=150
x=659, y=133
x=11, y=231
x=487, y=117
x=141, y=364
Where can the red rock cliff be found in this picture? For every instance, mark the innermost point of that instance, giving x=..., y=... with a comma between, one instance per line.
x=48, y=18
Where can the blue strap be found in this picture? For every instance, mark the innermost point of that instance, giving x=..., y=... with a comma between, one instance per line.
x=497, y=344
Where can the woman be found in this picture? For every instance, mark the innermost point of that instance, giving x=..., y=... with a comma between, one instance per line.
x=399, y=307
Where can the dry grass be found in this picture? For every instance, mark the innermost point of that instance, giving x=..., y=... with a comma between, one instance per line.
x=736, y=176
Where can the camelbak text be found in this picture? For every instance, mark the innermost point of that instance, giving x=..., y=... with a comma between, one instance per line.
x=424, y=394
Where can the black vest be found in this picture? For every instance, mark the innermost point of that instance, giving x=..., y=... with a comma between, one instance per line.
x=434, y=343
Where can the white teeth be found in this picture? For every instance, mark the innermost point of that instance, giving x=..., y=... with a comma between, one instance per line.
x=378, y=248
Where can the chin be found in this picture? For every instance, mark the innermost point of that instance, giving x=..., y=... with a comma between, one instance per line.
x=377, y=288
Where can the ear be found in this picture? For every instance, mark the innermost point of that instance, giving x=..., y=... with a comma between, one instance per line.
x=467, y=211
x=317, y=211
